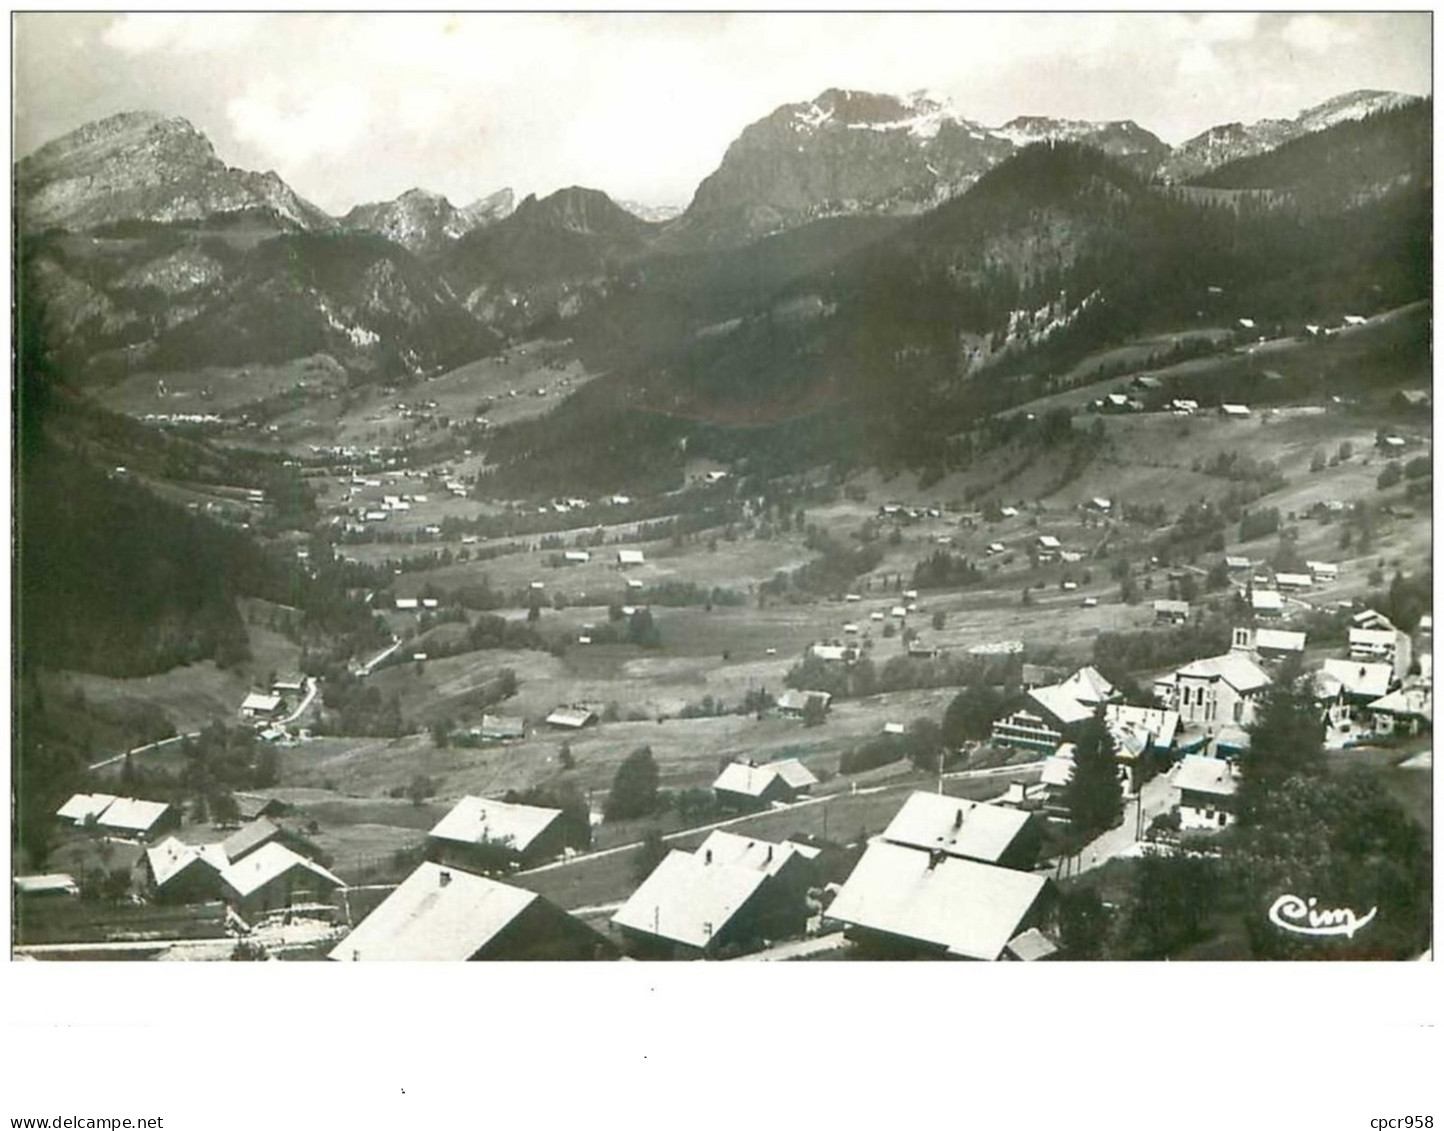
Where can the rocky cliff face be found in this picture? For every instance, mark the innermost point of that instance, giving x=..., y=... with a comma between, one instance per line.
x=145, y=167
x=423, y=222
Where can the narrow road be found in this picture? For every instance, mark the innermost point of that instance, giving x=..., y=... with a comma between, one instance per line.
x=370, y=665
x=1157, y=798
x=312, y=687
x=142, y=749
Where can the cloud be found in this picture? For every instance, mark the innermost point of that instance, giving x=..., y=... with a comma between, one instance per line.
x=293, y=128
x=176, y=33
x=1316, y=33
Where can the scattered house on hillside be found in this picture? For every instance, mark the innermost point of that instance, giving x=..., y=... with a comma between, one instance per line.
x=631, y=558
x=971, y=830
x=1370, y=618
x=1048, y=547
x=495, y=728
x=439, y=914
x=292, y=683
x=1100, y=504
x=715, y=901
x=1293, y=580
x=1413, y=399
x=793, y=703
x=1170, y=612
x=921, y=650
x=896, y=729
x=1204, y=792
x=1213, y=691
x=1008, y=512
x=1269, y=643
x=1383, y=646
x=1407, y=711
x=834, y=653
x=253, y=805
x=137, y=819
x=482, y=835
x=1267, y=603
x=1236, y=563
x=184, y=873
x=1089, y=687
x=744, y=786
x=1234, y=411
x=910, y=901
x=260, y=705
x=1183, y=406
x=408, y=604
x=274, y=878
x=44, y=886
x=1323, y=571
x=571, y=718
x=85, y=808
x=576, y=557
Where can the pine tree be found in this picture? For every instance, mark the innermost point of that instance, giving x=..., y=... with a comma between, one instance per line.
x=1094, y=796
x=1286, y=739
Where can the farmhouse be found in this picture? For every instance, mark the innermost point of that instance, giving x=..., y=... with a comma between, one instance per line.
x=1408, y=711
x=1170, y=612
x=1213, y=691
x=1088, y=686
x=970, y=830
x=1268, y=603
x=576, y=557
x=909, y=901
x=260, y=705
x=1048, y=716
x=742, y=785
x=482, y=835
x=48, y=885
x=441, y=915
x=1293, y=580
x=138, y=819
x=571, y=718
x=701, y=904
x=1323, y=571
x=407, y=604
x=1205, y=789
x=184, y=873
x=274, y=878
x=261, y=832
x=1269, y=643
x=833, y=653
x=794, y=703
x=1047, y=546
x=631, y=558
x=1347, y=687
x=1234, y=411
x=84, y=808
x=1234, y=562
x=495, y=728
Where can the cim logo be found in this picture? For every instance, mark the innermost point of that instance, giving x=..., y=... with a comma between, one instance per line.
x=1298, y=916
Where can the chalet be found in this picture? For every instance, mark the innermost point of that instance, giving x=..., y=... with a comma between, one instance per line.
x=1090, y=602
x=1211, y=692
x=1141, y=730
x=1347, y=688
x=274, y=878
x=1267, y=603
x=850, y=629
x=919, y=650
x=430, y=603
x=996, y=548
x=184, y=873
x=1293, y=580
x=794, y=703
x=910, y=901
x=1234, y=411
x=742, y=785
x=571, y=718
x=1170, y=612
x=261, y=832
x=1235, y=563
x=290, y=684
x=1049, y=716
x=407, y=604
x=895, y=729
x=718, y=899
x=1407, y=711
x=1269, y=643
x=1205, y=790
x=481, y=835
x=1008, y=512
x=1047, y=546
x=1323, y=571
x=260, y=705
x=898, y=612
x=137, y=819
x=791, y=868
x=970, y=830
x=495, y=728
x=1088, y=686
x=1247, y=324
x=1183, y=406
x=253, y=805
x=852, y=598
x=1384, y=646
x=1101, y=505
x=631, y=558
x=442, y=915
x=576, y=557
x=834, y=653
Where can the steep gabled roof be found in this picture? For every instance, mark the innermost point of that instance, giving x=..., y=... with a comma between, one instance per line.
x=1234, y=668
x=1060, y=704
x=268, y=863
x=973, y=830
x=689, y=901
x=479, y=820
x=968, y=909
x=748, y=852
x=171, y=857
x=436, y=914
x=1200, y=774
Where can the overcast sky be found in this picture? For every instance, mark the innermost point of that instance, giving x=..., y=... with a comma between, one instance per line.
x=350, y=108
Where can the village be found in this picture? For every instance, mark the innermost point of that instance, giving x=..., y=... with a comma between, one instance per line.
x=814, y=718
